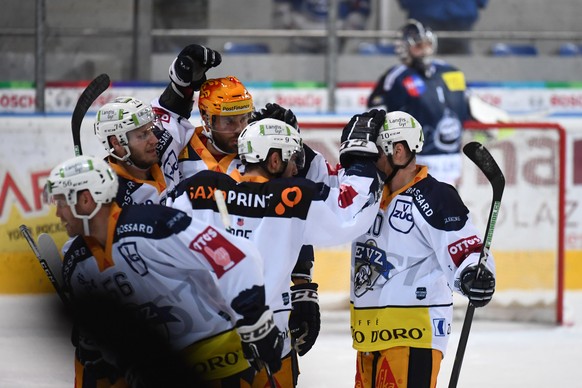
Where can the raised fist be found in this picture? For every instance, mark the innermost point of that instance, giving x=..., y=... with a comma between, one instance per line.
x=190, y=66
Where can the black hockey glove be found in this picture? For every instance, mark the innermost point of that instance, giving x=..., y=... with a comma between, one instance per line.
x=95, y=367
x=189, y=68
x=262, y=342
x=275, y=111
x=305, y=319
x=480, y=290
x=359, y=136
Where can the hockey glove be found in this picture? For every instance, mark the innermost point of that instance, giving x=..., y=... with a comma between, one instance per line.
x=479, y=290
x=189, y=68
x=305, y=319
x=359, y=136
x=262, y=342
x=95, y=367
x=275, y=111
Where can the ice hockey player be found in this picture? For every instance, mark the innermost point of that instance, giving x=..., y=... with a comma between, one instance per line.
x=422, y=246
x=431, y=90
x=281, y=213
x=185, y=278
x=226, y=107
x=142, y=149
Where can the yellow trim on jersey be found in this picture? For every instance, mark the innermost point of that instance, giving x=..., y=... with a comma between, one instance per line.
x=387, y=196
x=207, y=157
x=103, y=255
x=253, y=178
x=217, y=357
x=158, y=180
x=380, y=328
x=455, y=81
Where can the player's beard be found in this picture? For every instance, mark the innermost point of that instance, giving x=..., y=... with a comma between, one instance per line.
x=144, y=163
x=223, y=145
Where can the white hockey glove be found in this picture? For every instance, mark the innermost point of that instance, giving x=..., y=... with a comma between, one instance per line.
x=262, y=342
x=358, y=140
x=479, y=290
x=305, y=318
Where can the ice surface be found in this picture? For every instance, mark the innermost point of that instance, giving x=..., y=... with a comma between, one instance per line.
x=35, y=349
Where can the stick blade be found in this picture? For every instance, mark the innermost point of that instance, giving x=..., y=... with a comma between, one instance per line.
x=483, y=159
x=50, y=253
x=86, y=99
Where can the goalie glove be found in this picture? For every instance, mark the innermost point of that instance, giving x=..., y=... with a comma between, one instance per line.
x=188, y=70
x=305, y=319
x=275, y=111
x=262, y=342
x=358, y=140
x=479, y=290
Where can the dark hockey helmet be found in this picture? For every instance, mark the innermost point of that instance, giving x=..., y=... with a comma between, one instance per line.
x=415, y=42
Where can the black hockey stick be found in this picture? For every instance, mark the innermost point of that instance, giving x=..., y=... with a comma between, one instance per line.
x=86, y=99
x=48, y=256
x=483, y=159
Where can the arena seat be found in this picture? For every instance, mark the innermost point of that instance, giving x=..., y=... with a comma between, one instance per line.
x=507, y=49
x=246, y=48
x=569, y=49
x=367, y=48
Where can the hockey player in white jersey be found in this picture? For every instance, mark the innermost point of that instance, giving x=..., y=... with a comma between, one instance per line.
x=421, y=247
x=142, y=144
x=186, y=278
x=143, y=155
x=280, y=213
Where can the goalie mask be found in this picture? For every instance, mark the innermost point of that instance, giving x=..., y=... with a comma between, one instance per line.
x=259, y=137
x=416, y=45
x=117, y=118
x=400, y=127
x=79, y=174
x=222, y=97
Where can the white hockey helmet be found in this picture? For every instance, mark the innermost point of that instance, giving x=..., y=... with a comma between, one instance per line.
x=259, y=137
x=400, y=126
x=118, y=117
x=82, y=173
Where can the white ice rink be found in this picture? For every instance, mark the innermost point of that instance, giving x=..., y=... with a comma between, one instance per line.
x=35, y=351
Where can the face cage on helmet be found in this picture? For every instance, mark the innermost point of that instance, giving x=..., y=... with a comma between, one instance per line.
x=407, y=41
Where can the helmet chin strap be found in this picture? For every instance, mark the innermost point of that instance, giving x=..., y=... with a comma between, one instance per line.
x=396, y=168
x=208, y=133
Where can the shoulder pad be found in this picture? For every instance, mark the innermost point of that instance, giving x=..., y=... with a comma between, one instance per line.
x=150, y=221
x=439, y=203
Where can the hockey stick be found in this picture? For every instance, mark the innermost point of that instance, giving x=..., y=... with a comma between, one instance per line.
x=221, y=204
x=86, y=99
x=48, y=256
x=483, y=159
x=224, y=216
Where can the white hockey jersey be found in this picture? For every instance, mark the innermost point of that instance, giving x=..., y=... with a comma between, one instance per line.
x=406, y=266
x=282, y=215
x=178, y=272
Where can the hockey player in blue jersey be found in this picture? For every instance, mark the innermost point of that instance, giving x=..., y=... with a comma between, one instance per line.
x=432, y=91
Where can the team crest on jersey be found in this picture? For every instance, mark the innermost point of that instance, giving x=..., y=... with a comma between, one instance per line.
x=401, y=217
x=129, y=252
x=371, y=263
x=414, y=85
x=220, y=253
x=170, y=165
